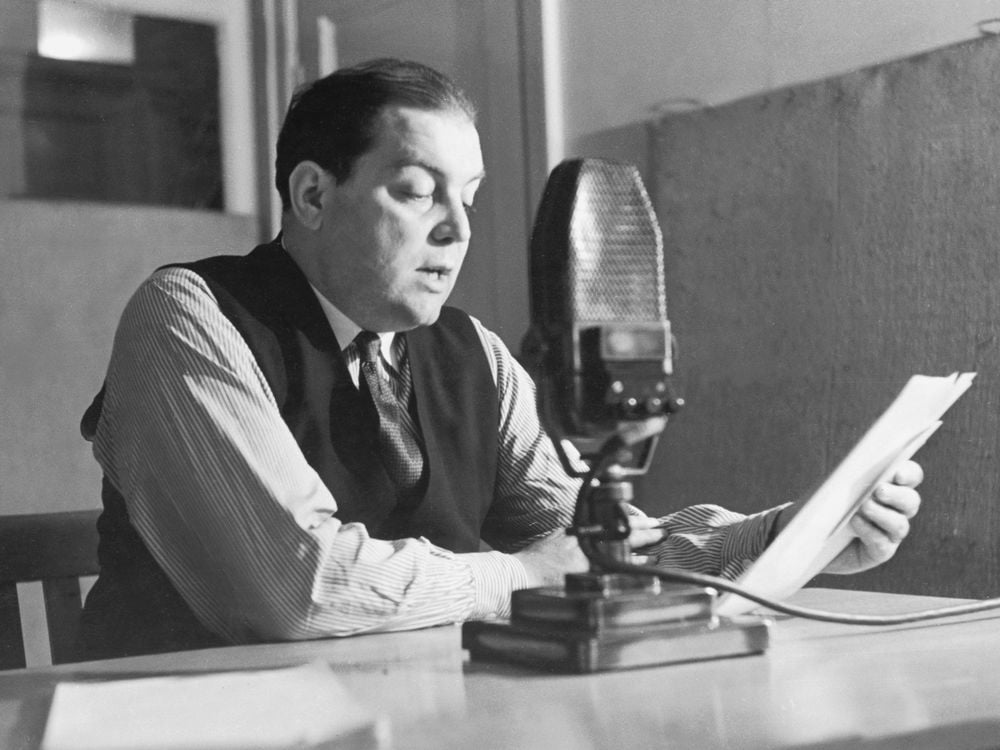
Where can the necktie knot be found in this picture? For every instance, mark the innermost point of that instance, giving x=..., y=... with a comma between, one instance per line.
x=369, y=345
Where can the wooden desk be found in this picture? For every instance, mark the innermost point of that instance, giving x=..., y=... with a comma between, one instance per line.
x=928, y=685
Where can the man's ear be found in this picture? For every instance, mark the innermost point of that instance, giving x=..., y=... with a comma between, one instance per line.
x=307, y=185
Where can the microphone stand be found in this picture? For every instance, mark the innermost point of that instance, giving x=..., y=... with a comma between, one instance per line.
x=605, y=619
x=601, y=521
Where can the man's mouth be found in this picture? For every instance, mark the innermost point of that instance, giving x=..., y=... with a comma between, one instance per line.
x=436, y=272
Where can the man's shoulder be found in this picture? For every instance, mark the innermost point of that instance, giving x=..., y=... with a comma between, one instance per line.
x=265, y=283
x=188, y=285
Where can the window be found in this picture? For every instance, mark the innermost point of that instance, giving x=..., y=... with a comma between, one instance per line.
x=136, y=101
x=122, y=108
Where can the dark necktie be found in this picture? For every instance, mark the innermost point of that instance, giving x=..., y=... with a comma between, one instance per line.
x=398, y=445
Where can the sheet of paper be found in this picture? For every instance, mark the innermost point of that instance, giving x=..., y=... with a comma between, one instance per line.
x=297, y=707
x=819, y=531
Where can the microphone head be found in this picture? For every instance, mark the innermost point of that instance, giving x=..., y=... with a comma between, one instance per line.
x=599, y=346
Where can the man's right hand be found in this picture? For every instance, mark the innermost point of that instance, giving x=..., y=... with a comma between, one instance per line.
x=548, y=560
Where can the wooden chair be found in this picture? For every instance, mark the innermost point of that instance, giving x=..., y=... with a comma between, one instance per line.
x=56, y=549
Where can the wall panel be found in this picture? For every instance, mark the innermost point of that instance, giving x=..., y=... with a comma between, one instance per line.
x=825, y=242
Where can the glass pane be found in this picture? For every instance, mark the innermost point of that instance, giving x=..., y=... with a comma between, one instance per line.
x=118, y=107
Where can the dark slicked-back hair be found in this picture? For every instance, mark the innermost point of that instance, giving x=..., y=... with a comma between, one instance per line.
x=334, y=120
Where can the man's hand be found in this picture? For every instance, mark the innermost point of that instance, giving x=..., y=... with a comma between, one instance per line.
x=881, y=523
x=644, y=531
x=548, y=560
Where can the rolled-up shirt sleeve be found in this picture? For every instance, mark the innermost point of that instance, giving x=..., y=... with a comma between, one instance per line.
x=712, y=540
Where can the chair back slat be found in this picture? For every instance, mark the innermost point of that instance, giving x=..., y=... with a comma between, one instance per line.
x=56, y=549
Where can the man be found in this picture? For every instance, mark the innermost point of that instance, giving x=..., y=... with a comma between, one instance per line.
x=275, y=471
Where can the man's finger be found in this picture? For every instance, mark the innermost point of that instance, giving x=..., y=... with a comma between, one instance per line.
x=905, y=500
x=909, y=474
x=645, y=537
x=643, y=522
x=893, y=524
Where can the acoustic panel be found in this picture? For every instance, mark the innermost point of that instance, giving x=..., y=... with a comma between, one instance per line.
x=823, y=243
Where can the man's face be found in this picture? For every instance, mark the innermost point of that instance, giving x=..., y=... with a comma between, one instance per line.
x=395, y=233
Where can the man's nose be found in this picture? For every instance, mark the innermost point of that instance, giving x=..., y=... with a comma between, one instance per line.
x=455, y=225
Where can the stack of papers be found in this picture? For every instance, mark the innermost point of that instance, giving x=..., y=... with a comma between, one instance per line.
x=819, y=531
x=298, y=707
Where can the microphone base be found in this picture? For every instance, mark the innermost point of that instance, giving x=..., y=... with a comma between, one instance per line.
x=601, y=622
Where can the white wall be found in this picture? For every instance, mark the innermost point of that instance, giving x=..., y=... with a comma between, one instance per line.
x=68, y=270
x=624, y=61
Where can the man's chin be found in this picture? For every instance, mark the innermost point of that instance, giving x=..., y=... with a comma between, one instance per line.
x=429, y=318
x=425, y=316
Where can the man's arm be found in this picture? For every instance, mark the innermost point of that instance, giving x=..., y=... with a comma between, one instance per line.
x=228, y=506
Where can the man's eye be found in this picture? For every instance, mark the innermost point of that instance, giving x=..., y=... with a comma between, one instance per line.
x=418, y=197
x=469, y=209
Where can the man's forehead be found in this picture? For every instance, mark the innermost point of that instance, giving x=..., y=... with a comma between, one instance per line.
x=430, y=139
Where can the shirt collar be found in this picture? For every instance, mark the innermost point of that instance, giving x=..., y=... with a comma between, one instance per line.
x=346, y=329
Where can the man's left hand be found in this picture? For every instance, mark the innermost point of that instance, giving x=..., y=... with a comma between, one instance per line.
x=882, y=522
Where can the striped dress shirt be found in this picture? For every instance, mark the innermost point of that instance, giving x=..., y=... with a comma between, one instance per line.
x=218, y=489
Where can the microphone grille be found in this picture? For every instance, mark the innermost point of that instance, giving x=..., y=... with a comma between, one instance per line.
x=616, y=247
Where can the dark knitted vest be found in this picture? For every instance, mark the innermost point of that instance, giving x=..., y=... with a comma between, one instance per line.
x=133, y=607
